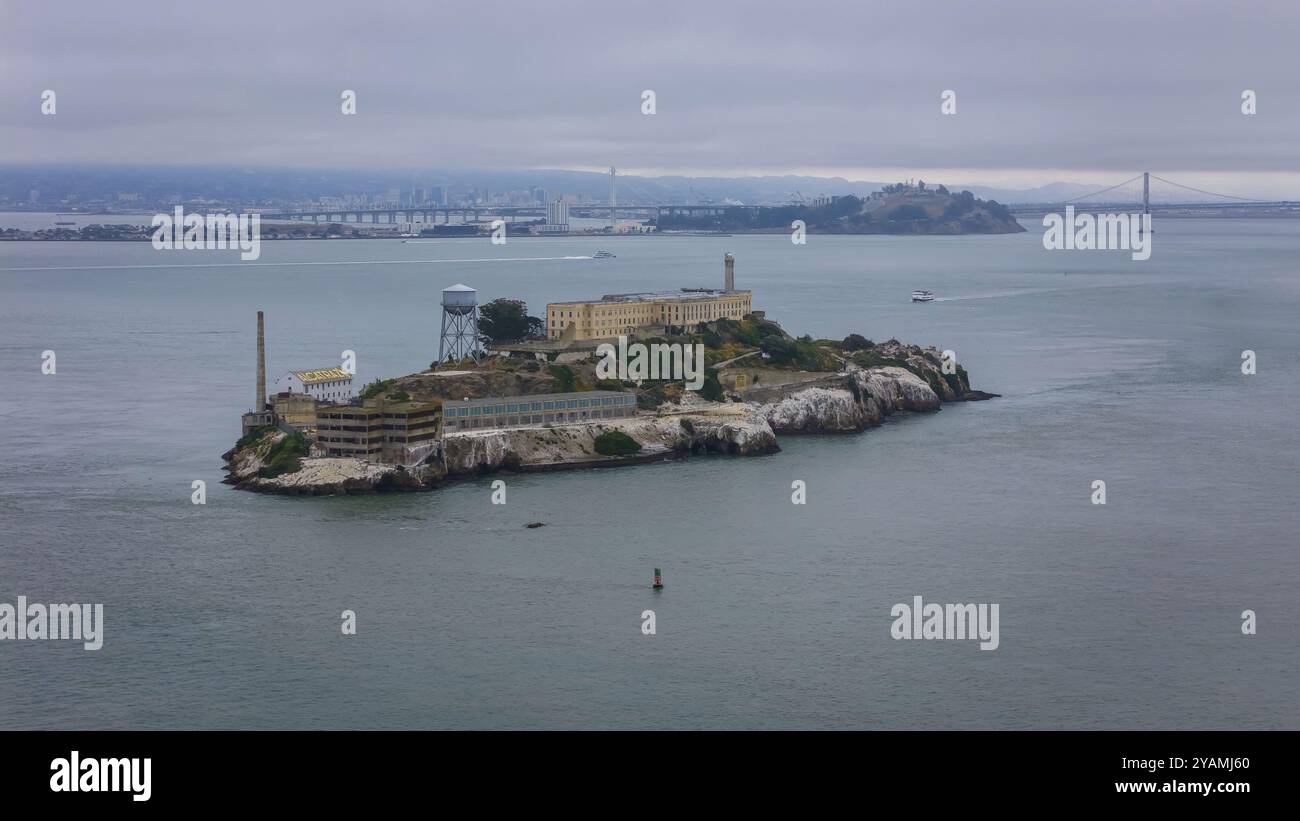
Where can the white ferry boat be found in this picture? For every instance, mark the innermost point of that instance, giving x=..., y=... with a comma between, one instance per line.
x=922, y=296
x=602, y=255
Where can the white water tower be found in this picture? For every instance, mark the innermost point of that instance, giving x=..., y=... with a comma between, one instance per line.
x=459, y=325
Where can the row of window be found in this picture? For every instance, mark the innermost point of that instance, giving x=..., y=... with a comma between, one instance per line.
x=704, y=311
x=539, y=419
x=549, y=405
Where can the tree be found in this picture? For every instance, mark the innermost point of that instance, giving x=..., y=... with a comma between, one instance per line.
x=711, y=389
x=507, y=320
x=856, y=342
x=780, y=349
x=616, y=443
x=908, y=211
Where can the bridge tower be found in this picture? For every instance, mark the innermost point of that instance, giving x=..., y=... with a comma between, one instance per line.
x=459, y=325
x=1146, y=192
x=613, y=213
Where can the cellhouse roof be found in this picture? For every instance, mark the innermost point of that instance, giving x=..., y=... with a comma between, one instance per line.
x=322, y=375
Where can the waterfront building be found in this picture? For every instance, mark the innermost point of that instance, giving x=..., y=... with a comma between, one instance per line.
x=539, y=409
x=324, y=384
x=378, y=430
x=557, y=217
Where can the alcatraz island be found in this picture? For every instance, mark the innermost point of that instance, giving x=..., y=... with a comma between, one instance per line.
x=519, y=393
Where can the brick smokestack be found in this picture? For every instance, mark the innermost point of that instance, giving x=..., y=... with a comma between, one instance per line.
x=260, y=404
x=729, y=279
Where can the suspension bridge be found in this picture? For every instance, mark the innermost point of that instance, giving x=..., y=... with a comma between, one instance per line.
x=1113, y=198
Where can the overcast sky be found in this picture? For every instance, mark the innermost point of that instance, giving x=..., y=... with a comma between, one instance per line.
x=1089, y=92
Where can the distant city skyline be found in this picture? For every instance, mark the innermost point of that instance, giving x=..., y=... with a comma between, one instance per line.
x=1042, y=94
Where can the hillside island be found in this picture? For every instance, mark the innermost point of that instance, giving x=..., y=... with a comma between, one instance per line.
x=902, y=208
x=619, y=380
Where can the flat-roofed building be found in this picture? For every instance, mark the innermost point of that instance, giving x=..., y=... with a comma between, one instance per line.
x=410, y=429
x=378, y=430
x=296, y=409
x=539, y=409
x=349, y=430
x=620, y=314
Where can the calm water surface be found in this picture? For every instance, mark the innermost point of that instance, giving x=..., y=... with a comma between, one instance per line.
x=774, y=616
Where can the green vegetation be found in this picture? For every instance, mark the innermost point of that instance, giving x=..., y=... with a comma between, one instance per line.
x=249, y=439
x=958, y=381
x=565, y=382
x=871, y=358
x=375, y=388
x=650, y=395
x=748, y=331
x=931, y=378
x=400, y=396
x=507, y=320
x=801, y=353
x=616, y=443
x=285, y=456
x=908, y=212
x=904, y=209
x=856, y=342
x=712, y=388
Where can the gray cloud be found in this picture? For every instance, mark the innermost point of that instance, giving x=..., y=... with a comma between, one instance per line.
x=1098, y=88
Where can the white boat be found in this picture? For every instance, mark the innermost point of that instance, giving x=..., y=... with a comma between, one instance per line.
x=602, y=255
x=922, y=296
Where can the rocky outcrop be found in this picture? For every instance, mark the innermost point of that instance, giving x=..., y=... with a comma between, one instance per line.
x=852, y=401
x=340, y=477
x=327, y=477
x=575, y=445
x=817, y=410
x=868, y=395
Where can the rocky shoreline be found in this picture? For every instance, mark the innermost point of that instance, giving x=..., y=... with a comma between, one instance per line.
x=847, y=402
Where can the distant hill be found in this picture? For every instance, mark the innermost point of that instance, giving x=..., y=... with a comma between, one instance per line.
x=898, y=209
x=62, y=187
x=1053, y=192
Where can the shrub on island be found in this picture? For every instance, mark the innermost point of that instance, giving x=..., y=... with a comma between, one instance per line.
x=616, y=443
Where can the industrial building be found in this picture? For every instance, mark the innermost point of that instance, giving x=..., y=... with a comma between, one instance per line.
x=378, y=430
x=297, y=410
x=540, y=409
x=324, y=384
x=621, y=314
x=319, y=405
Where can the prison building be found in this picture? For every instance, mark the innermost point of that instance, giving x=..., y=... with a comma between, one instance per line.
x=540, y=409
x=621, y=314
x=408, y=428
x=378, y=430
x=298, y=410
x=346, y=430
